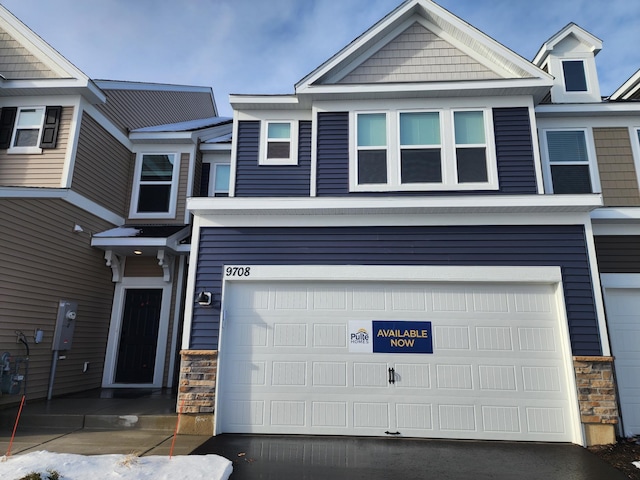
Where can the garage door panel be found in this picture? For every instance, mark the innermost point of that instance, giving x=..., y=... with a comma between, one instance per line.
x=623, y=318
x=496, y=371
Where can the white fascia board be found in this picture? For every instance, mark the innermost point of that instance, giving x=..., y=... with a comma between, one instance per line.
x=164, y=137
x=584, y=37
x=370, y=35
x=628, y=88
x=260, y=220
x=620, y=214
x=63, y=194
x=581, y=109
x=129, y=242
x=215, y=147
x=396, y=205
x=239, y=102
x=500, y=86
x=37, y=46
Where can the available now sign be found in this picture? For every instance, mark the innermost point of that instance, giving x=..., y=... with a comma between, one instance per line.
x=390, y=336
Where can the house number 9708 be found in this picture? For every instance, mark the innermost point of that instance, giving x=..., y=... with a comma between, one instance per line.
x=237, y=271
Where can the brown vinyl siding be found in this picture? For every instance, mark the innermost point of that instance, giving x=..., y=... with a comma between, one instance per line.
x=618, y=253
x=132, y=109
x=183, y=184
x=103, y=167
x=38, y=170
x=618, y=177
x=142, y=267
x=16, y=62
x=44, y=262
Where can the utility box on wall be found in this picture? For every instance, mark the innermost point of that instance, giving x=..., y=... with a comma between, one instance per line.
x=65, y=325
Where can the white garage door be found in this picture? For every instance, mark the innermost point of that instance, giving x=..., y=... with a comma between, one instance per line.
x=497, y=371
x=623, y=316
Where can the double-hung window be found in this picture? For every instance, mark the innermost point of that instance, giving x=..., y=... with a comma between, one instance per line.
x=569, y=161
x=420, y=147
x=471, y=146
x=155, y=191
x=372, y=148
x=29, y=129
x=413, y=150
x=280, y=143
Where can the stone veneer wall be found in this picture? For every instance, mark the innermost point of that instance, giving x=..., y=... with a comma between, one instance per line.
x=597, y=397
x=197, y=386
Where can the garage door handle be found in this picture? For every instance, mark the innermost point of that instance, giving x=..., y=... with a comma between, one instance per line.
x=392, y=375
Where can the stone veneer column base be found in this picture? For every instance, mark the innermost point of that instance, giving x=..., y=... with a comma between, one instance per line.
x=597, y=398
x=197, y=391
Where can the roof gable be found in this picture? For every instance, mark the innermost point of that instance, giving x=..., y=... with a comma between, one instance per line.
x=416, y=28
x=419, y=55
x=570, y=38
x=630, y=90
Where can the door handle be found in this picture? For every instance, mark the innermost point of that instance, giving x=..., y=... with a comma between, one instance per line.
x=392, y=375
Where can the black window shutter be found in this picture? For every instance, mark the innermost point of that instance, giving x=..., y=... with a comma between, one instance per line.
x=50, y=127
x=7, y=119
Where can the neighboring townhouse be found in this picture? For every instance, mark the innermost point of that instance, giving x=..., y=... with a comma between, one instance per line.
x=592, y=144
x=94, y=177
x=392, y=261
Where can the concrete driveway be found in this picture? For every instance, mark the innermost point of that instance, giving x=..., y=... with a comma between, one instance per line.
x=276, y=457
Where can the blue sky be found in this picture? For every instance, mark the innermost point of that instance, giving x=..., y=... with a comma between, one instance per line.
x=266, y=46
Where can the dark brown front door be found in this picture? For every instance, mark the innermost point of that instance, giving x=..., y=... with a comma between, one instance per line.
x=139, y=336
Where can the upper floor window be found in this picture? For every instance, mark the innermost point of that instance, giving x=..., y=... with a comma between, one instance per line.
x=575, y=79
x=279, y=143
x=569, y=161
x=29, y=129
x=156, y=186
x=424, y=150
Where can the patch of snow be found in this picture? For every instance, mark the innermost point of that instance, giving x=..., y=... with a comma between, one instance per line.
x=128, y=420
x=122, y=467
x=636, y=464
x=118, y=232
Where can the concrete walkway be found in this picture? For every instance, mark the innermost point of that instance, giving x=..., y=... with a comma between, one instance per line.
x=97, y=422
x=349, y=458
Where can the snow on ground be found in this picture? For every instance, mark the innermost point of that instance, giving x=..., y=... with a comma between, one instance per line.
x=120, y=467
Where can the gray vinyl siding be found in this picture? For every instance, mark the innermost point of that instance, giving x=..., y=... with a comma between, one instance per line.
x=43, y=262
x=514, y=154
x=618, y=253
x=253, y=180
x=142, y=267
x=38, y=170
x=103, y=167
x=563, y=246
x=132, y=109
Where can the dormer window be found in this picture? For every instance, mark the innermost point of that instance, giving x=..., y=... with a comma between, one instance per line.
x=575, y=79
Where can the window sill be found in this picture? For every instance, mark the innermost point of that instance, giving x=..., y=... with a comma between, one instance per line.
x=424, y=187
x=24, y=150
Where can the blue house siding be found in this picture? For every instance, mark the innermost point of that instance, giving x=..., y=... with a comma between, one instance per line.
x=563, y=246
x=253, y=180
x=514, y=153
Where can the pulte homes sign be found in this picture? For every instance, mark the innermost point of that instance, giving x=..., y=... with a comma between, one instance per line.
x=390, y=336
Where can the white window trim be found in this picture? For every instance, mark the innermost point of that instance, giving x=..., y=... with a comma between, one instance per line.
x=634, y=134
x=31, y=149
x=293, y=144
x=448, y=153
x=133, y=210
x=591, y=154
